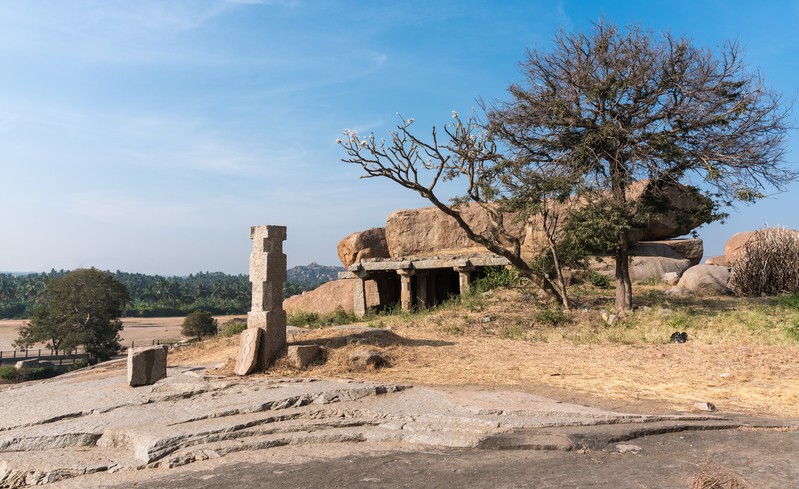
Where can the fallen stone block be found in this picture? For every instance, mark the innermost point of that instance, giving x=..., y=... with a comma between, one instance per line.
x=705, y=406
x=249, y=345
x=146, y=365
x=300, y=356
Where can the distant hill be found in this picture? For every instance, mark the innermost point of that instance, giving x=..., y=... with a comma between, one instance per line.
x=313, y=274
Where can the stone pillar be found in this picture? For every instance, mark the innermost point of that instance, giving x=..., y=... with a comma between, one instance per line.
x=267, y=274
x=405, y=288
x=464, y=279
x=359, y=297
x=421, y=290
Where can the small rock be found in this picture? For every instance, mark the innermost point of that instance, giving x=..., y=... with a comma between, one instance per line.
x=628, y=448
x=486, y=319
x=300, y=356
x=705, y=406
x=30, y=362
x=612, y=319
x=368, y=359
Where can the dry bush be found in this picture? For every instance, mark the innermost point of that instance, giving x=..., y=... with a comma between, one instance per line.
x=768, y=265
x=714, y=477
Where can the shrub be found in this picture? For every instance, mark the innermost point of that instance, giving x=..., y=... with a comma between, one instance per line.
x=495, y=277
x=552, y=316
x=303, y=319
x=597, y=279
x=768, y=265
x=199, y=324
x=9, y=372
x=233, y=327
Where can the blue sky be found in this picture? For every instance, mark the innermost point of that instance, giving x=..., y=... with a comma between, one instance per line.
x=147, y=136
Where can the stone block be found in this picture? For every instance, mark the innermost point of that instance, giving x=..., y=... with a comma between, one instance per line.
x=247, y=357
x=146, y=365
x=300, y=356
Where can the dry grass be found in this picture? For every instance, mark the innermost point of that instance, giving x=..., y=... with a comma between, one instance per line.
x=715, y=477
x=741, y=353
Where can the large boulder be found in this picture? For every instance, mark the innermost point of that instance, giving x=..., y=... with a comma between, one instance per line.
x=705, y=280
x=329, y=296
x=428, y=231
x=691, y=249
x=365, y=244
x=649, y=262
x=734, y=247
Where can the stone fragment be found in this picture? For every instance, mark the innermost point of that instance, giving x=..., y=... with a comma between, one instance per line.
x=146, y=365
x=625, y=448
x=300, y=356
x=705, y=406
x=247, y=357
x=705, y=280
x=719, y=260
x=365, y=244
x=671, y=278
x=368, y=359
x=27, y=363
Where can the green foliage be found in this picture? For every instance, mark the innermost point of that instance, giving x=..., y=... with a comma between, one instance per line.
x=790, y=301
x=495, y=277
x=313, y=320
x=199, y=324
x=80, y=308
x=597, y=279
x=9, y=372
x=233, y=327
x=551, y=316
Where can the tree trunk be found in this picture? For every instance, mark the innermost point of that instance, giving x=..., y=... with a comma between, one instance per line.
x=624, y=289
x=559, y=270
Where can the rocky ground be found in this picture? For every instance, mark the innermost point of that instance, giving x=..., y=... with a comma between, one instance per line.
x=90, y=429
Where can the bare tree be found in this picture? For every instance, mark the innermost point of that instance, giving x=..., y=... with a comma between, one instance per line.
x=616, y=117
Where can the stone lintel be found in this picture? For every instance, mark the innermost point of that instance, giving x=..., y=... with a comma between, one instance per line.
x=427, y=263
x=346, y=275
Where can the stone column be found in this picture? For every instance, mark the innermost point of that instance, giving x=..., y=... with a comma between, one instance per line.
x=267, y=274
x=464, y=279
x=405, y=288
x=359, y=296
x=421, y=290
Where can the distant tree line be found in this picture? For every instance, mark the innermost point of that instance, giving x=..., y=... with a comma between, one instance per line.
x=156, y=295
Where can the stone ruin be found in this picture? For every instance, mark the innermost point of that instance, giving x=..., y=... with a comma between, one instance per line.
x=265, y=336
x=422, y=257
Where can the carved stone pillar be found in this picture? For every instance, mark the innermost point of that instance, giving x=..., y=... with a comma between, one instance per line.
x=405, y=288
x=267, y=274
x=464, y=279
x=421, y=290
x=359, y=295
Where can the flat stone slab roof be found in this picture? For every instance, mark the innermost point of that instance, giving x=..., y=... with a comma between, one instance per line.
x=427, y=263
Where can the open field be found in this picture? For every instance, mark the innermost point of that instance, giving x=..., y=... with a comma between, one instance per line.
x=142, y=331
x=741, y=354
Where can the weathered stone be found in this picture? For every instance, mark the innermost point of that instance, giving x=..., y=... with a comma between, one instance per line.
x=734, y=246
x=643, y=268
x=329, y=296
x=705, y=406
x=300, y=356
x=705, y=280
x=247, y=356
x=720, y=260
x=368, y=359
x=27, y=363
x=691, y=249
x=365, y=244
x=671, y=278
x=146, y=365
x=267, y=274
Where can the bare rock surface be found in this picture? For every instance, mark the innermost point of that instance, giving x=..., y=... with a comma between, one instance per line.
x=102, y=431
x=331, y=295
x=364, y=244
x=734, y=246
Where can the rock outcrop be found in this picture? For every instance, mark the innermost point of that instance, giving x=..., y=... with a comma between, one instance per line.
x=365, y=244
x=734, y=247
x=649, y=262
x=328, y=297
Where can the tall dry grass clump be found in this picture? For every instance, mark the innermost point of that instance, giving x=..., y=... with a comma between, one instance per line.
x=768, y=265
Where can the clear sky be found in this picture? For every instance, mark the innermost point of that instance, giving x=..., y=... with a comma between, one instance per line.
x=148, y=136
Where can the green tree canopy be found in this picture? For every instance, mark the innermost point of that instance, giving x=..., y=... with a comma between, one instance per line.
x=80, y=308
x=199, y=324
